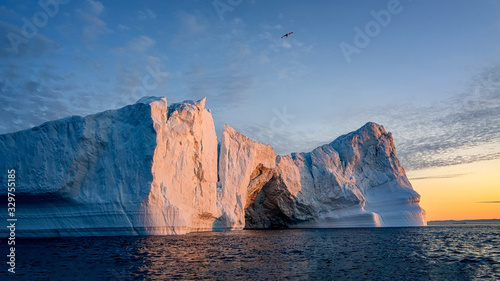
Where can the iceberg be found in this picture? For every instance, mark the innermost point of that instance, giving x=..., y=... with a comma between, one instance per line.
x=355, y=181
x=157, y=169
x=144, y=169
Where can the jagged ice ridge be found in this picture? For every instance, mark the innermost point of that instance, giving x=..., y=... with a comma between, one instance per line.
x=157, y=169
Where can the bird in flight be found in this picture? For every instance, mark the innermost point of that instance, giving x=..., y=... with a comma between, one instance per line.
x=286, y=35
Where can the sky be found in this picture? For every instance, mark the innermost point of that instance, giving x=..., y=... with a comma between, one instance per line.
x=428, y=71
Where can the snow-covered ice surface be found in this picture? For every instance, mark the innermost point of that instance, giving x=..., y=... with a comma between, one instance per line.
x=355, y=181
x=155, y=169
x=146, y=168
x=244, y=167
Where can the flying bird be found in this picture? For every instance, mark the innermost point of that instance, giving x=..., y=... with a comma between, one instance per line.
x=286, y=35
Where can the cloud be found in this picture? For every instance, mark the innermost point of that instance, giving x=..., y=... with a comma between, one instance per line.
x=30, y=105
x=123, y=27
x=192, y=23
x=95, y=7
x=274, y=27
x=13, y=44
x=141, y=43
x=453, y=131
x=94, y=26
x=146, y=14
x=286, y=45
x=461, y=129
x=145, y=77
x=489, y=202
x=47, y=74
x=4, y=11
x=223, y=88
x=33, y=93
x=437, y=177
x=225, y=82
x=277, y=133
x=464, y=128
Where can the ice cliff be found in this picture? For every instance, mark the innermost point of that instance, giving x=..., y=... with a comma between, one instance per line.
x=154, y=169
x=355, y=181
x=147, y=168
x=244, y=167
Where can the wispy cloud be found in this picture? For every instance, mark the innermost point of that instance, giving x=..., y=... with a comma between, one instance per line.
x=278, y=134
x=123, y=27
x=267, y=26
x=451, y=132
x=35, y=92
x=148, y=76
x=190, y=36
x=225, y=82
x=4, y=11
x=437, y=177
x=31, y=99
x=286, y=45
x=94, y=26
x=192, y=23
x=222, y=88
x=489, y=202
x=141, y=43
x=464, y=128
x=146, y=14
x=35, y=47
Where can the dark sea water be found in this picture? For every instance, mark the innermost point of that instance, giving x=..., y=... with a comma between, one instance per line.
x=461, y=252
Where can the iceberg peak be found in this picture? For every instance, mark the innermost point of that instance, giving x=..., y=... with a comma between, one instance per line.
x=151, y=99
x=370, y=130
x=153, y=169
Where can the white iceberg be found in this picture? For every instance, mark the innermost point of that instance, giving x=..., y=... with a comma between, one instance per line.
x=157, y=169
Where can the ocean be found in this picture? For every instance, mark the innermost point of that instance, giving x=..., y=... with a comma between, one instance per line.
x=457, y=252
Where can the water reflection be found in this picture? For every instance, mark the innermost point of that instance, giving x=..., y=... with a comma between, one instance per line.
x=467, y=252
x=411, y=253
x=219, y=255
x=427, y=253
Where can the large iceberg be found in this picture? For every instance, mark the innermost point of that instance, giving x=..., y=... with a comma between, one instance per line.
x=156, y=169
x=355, y=181
x=244, y=167
x=146, y=168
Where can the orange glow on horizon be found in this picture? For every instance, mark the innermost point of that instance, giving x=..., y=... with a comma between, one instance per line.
x=459, y=192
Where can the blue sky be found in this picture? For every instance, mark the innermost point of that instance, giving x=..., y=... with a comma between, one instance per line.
x=430, y=74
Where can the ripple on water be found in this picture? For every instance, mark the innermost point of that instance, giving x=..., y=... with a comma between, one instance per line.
x=425, y=253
